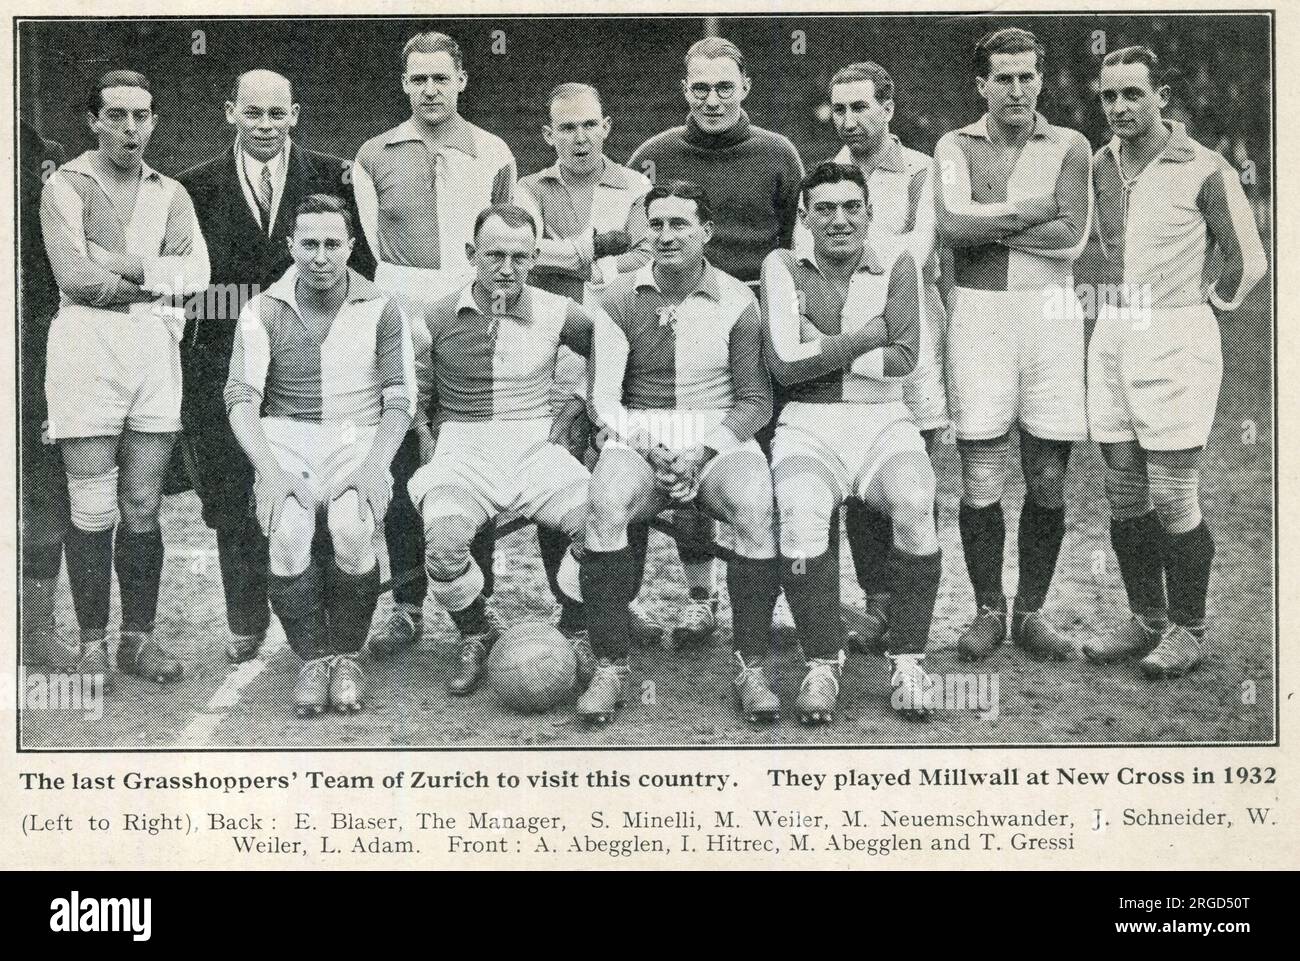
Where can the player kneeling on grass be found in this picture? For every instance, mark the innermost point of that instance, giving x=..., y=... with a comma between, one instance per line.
x=492, y=364
x=679, y=388
x=1155, y=359
x=843, y=332
x=327, y=359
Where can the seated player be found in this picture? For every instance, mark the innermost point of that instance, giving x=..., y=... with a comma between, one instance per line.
x=843, y=330
x=679, y=388
x=124, y=246
x=326, y=359
x=492, y=367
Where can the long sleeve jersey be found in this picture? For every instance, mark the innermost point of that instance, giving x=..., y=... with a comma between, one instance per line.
x=703, y=354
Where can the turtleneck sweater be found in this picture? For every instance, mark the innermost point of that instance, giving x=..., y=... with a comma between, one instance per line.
x=751, y=177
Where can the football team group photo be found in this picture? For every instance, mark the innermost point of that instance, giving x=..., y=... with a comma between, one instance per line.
x=713, y=381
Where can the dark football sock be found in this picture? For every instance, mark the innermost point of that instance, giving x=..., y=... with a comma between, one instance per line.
x=983, y=539
x=1139, y=549
x=753, y=586
x=242, y=554
x=870, y=534
x=812, y=589
x=472, y=619
x=139, y=560
x=351, y=605
x=638, y=542
x=1042, y=529
x=1188, y=560
x=90, y=575
x=913, y=588
x=297, y=602
x=607, y=589
x=482, y=549
x=38, y=602
x=552, y=546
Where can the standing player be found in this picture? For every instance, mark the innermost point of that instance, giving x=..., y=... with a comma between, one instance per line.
x=45, y=484
x=593, y=228
x=244, y=199
x=419, y=187
x=321, y=392
x=1014, y=204
x=491, y=369
x=124, y=247
x=680, y=386
x=752, y=177
x=593, y=221
x=899, y=182
x=1155, y=361
x=843, y=325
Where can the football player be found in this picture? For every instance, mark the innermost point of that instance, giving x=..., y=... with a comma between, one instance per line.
x=843, y=325
x=1164, y=203
x=320, y=394
x=751, y=176
x=419, y=187
x=1013, y=203
x=901, y=185
x=679, y=388
x=593, y=228
x=494, y=344
x=124, y=246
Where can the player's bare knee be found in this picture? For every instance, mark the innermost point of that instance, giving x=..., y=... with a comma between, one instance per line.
x=140, y=505
x=805, y=507
x=352, y=536
x=446, y=546
x=608, y=513
x=754, y=521
x=1045, y=483
x=289, y=545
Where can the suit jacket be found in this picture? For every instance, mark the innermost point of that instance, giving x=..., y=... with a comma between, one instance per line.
x=239, y=250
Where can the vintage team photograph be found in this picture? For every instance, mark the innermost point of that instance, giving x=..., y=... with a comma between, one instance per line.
x=715, y=381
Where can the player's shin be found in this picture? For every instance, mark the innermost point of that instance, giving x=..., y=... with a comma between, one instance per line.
x=242, y=555
x=139, y=560
x=754, y=584
x=297, y=601
x=870, y=534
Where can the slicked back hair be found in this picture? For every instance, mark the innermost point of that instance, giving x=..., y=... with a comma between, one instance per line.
x=432, y=42
x=881, y=82
x=686, y=191
x=512, y=215
x=712, y=47
x=116, y=78
x=831, y=172
x=1008, y=40
x=1137, y=54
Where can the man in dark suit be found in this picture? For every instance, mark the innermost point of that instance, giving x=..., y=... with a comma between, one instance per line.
x=44, y=483
x=244, y=199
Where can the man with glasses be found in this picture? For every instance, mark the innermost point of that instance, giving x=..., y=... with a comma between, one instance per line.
x=752, y=177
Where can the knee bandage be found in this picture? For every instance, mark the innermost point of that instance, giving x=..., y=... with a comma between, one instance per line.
x=1128, y=493
x=1175, y=492
x=459, y=591
x=93, y=501
x=984, y=471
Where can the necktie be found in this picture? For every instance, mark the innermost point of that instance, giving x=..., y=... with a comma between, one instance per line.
x=264, y=195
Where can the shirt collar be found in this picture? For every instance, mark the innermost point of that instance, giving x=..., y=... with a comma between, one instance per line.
x=891, y=157
x=359, y=289
x=456, y=132
x=613, y=175
x=523, y=306
x=803, y=252
x=708, y=285
x=83, y=164
x=1042, y=128
x=1178, y=150
x=254, y=166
